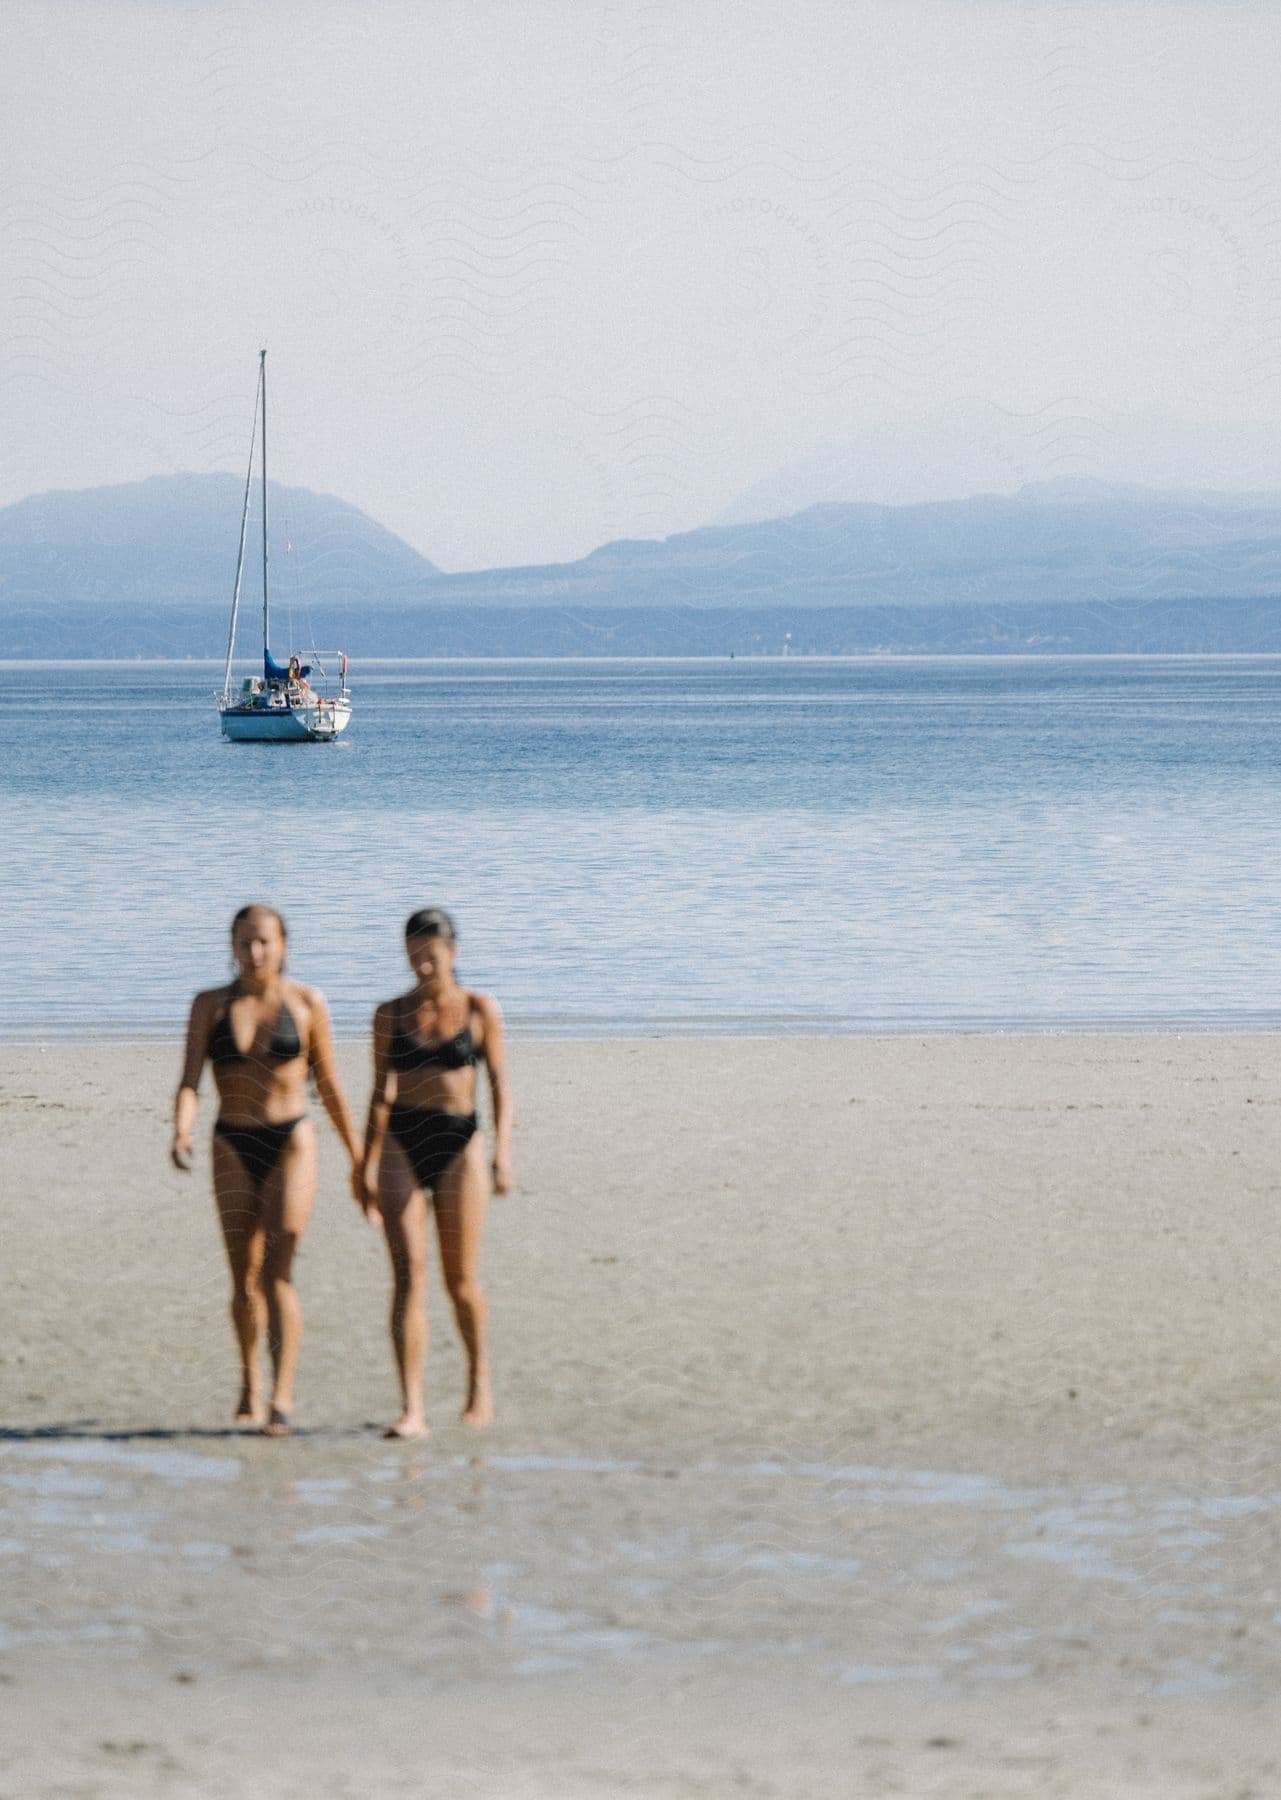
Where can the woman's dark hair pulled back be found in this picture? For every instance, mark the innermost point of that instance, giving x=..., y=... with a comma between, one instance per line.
x=430, y=921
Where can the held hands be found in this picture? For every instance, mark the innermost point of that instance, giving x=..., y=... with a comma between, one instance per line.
x=364, y=1187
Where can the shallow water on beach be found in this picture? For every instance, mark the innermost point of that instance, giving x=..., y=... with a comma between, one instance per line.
x=760, y=845
x=466, y=1567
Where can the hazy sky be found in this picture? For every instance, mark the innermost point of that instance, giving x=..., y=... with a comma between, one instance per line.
x=536, y=276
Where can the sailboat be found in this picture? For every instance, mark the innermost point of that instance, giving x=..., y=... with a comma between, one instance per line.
x=280, y=706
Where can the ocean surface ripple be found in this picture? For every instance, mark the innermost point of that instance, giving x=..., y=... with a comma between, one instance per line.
x=765, y=844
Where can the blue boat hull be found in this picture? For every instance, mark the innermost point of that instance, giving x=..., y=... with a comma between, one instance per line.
x=318, y=723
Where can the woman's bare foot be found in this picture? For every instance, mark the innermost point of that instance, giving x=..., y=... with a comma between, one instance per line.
x=409, y=1425
x=249, y=1406
x=479, y=1410
x=277, y=1424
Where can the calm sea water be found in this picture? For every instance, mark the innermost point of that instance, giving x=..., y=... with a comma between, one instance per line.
x=761, y=844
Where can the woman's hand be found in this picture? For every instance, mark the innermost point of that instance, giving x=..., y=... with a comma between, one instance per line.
x=364, y=1187
x=502, y=1173
x=180, y=1153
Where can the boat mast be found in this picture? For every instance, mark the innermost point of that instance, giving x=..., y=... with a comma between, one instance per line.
x=262, y=382
x=240, y=558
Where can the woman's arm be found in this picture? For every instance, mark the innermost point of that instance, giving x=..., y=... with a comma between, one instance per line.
x=187, y=1100
x=328, y=1086
x=384, y=1092
x=495, y=1052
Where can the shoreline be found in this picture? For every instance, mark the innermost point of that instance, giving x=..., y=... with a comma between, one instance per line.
x=723, y=1029
x=749, y=656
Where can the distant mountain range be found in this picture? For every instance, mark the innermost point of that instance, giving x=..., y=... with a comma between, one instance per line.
x=1052, y=543
x=146, y=569
x=171, y=540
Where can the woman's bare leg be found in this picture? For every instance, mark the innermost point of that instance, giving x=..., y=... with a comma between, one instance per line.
x=287, y=1196
x=462, y=1196
x=404, y=1210
x=239, y=1216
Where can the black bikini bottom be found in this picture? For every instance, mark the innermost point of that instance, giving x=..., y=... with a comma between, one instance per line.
x=431, y=1140
x=259, y=1147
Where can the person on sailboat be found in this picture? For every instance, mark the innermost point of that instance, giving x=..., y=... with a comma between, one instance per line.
x=263, y=1034
x=422, y=1139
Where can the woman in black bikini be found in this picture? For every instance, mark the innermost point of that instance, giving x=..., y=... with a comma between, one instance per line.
x=422, y=1137
x=262, y=1034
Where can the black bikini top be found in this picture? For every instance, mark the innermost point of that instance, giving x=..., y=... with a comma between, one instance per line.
x=409, y=1052
x=283, y=1045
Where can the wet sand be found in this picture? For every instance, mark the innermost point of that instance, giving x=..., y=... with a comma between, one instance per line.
x=876, y=1416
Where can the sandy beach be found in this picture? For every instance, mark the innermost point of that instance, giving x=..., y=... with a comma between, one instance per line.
x=876, y=1416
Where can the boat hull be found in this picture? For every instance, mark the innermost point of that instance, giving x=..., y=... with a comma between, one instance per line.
x=317, y=724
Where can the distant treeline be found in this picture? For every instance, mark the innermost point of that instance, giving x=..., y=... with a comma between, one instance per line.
x=1152, y=628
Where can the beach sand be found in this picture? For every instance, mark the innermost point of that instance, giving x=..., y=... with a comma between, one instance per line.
x=877, y=1416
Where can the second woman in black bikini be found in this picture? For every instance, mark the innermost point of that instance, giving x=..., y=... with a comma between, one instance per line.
x=262, y=1034
x=422, y=1138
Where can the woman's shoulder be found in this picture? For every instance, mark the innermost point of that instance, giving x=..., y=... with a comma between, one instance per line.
x=483, y=1006
x=209, y=999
